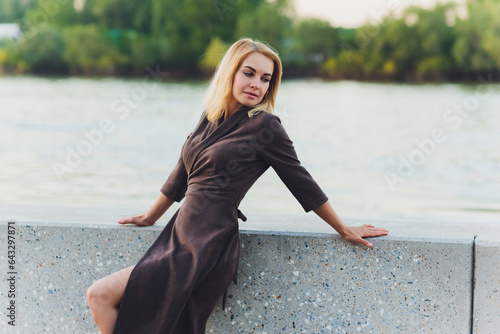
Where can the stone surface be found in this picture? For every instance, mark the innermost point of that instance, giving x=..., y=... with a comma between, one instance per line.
x=56, y=264
x=296, y=274
x=487, y=285
x=320, y=284
x=288, y=281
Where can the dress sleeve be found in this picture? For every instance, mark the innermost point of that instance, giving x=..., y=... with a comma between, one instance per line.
x=277, y=150
x=176, y=185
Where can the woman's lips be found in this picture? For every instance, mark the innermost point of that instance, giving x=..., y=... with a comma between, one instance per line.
x=252, y=95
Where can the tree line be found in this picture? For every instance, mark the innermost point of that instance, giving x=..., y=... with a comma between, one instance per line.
x=186, y=38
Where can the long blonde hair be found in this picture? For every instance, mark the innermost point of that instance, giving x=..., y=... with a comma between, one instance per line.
x=220, y=89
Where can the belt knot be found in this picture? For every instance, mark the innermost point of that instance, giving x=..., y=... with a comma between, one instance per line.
x=242, y=216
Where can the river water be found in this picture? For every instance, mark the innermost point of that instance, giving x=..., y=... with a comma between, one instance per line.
x=385, y=151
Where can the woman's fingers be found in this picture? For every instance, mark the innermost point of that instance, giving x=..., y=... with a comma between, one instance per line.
x=365, y=242
x=372, y=231
x=125, y=220
x=358, y=233
x=358, y=239
x=135, y=219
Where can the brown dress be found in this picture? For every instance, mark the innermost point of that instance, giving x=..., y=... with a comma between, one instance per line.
x=176, y=284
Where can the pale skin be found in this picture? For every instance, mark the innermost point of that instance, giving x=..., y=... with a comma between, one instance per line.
x=251, y=82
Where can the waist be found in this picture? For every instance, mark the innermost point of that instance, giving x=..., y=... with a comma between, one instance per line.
x=212, y=191
x=201, y=199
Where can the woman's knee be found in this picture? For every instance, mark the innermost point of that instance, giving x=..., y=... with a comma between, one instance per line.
x=99, y=295
x=108, y=291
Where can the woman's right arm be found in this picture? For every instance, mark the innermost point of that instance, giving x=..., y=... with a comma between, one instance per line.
x=155, y=212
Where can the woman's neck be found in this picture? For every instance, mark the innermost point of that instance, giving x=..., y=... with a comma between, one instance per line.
x=231, y=108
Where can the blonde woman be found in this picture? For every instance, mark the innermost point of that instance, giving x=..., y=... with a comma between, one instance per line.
x=175, y=286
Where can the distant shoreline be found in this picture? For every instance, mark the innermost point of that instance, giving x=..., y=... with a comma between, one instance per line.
x=176, y=77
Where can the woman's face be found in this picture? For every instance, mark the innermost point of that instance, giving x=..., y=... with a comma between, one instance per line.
x=251, y=81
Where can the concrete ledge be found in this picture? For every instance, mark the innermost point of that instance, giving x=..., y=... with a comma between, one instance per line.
x=293, y=281
x=321, y=284
x=487, y=285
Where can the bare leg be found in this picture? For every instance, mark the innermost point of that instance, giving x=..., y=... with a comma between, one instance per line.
x=104, y=298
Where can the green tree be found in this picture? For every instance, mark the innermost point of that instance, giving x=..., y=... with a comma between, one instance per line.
x=89, y=51
x=183, y=29
x=436, y=38
x=267, y=24
x=143, y=52
x=12, y=11
x=55, y=13
x=44, y=51
x=212, y=55
x=477, y=46
x=315, y=40
x=10, y=60
x=414, y=46
x=119, y=14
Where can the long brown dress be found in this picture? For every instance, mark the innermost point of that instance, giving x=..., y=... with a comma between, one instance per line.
x=176, y=284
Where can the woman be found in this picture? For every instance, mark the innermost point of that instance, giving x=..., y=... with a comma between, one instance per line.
x=176, y=284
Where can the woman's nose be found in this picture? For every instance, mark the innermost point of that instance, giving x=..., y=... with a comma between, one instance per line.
x=254, y=83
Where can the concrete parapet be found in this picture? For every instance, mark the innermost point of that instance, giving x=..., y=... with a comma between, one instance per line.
x=321, y=284
x=487, y=285
x=289, y=281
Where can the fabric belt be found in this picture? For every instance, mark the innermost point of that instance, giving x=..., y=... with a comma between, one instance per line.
x=242, y=216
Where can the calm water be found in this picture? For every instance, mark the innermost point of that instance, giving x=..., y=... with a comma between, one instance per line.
x=377, y=150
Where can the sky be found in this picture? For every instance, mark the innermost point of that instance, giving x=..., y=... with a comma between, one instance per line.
x=353, y=13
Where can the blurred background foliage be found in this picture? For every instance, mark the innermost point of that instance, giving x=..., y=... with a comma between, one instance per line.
x=186, y=38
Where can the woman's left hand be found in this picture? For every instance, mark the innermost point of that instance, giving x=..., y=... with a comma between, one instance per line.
x=357, y=233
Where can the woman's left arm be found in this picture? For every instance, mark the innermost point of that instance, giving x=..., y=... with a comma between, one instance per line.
x=349, y=233
x=278, y=152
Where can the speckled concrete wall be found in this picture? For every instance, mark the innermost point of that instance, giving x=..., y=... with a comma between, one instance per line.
x=487, y=285
x=56, y=263
x=288, y=282
x=321, y=284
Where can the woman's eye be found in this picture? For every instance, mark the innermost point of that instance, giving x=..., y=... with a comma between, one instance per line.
x=250, y=74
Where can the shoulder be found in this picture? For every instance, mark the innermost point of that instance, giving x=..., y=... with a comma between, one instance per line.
x=265, y=119
x=269, y=129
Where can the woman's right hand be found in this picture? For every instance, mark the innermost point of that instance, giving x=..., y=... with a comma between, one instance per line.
x=155, y=212
x=139, y=220
x=357, y=233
